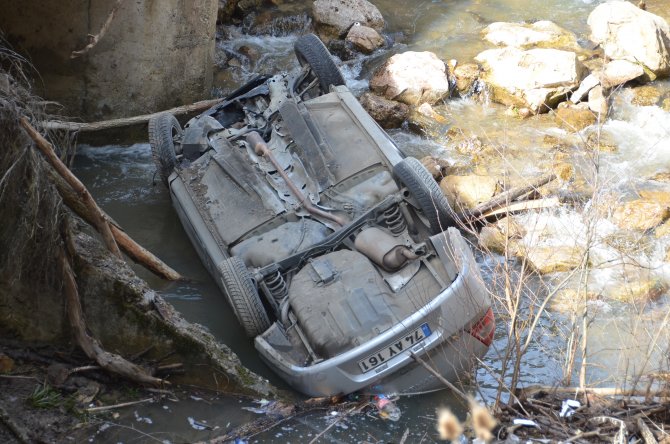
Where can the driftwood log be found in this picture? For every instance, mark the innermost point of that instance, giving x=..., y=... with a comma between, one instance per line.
x=129, y=121
x=94, y=39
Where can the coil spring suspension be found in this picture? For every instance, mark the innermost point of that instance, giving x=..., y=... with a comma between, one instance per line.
x=395, y=220
x=277, y=286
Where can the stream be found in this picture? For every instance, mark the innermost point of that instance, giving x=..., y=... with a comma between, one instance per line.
x=623, y=341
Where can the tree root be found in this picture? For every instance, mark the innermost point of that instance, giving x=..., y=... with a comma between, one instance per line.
x=108, y=361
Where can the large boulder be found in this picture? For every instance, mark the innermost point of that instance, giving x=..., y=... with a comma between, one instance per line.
x=412, y=78
x=334, y=18
x=543, y=34
x=628, y=33
x=536, y=79
x=618, y=72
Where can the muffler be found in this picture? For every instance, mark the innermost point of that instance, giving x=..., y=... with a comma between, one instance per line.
x=383, y=249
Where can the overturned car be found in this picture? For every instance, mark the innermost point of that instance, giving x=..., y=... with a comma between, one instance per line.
x=336, y=253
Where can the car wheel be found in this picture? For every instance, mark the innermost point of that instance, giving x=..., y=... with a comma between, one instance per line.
x=312, y=52
x=243, y=296
x=163, y=130
x=420, y=183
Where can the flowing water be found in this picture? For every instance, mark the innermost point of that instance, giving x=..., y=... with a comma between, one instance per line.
x=623, y=340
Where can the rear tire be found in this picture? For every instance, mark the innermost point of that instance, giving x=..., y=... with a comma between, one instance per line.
x=163, y=129
x=243, y=296
x=311, y=51
x=432, y=202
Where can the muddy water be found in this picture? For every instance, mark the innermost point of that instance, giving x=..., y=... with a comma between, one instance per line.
x=623, y=340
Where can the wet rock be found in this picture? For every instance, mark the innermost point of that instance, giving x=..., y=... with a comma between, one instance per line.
x=249, y=52
x=412, y=78
x=663, y=230
x=466, y=192
x=493, y=240
x=364, y=38
x=661, y=196
x=640, y=214
x=570, y=300
x=665, y=105
x=629, y=33
x=661, y=176
x=6, y=364
x=543, y=34
x=388, y=113
x=589, y=82
x=465, y=77
x=424, y=120
x=574, y=117
x=342, y=49
x=554, y=259
x=646, y=95
x=333, y=18
x=598, y=102
x=639, y=291
x=537, y=79
x=629, y=242
x=225, y=11
x=438, y=167
x=510, y=227
x=618, y=72
x=601, y=141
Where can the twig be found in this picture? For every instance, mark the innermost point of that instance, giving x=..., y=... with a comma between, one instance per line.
x=96, y=213
x=581, y=435
x=432, y=371
x=332, y=424
x=128, y=121
x=94, y=39
x=19, y=377
x=116, y=406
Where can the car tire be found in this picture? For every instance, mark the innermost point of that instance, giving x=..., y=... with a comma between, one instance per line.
x=421, y=185
x=163, y=129
x=310, y=50
x=243, y=296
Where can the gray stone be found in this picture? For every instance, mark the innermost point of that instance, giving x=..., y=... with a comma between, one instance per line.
x=364, y=38
x=333, y=18
x=544, y=34
x=388, y=113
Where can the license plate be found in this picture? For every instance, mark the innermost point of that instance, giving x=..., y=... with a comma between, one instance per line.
x=390, y=351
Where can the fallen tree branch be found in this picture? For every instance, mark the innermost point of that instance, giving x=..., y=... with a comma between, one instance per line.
x=111, y=362
x=136, y=252
x=94, y=39
x=505, y=198
x=97, y=217
x=128, y=121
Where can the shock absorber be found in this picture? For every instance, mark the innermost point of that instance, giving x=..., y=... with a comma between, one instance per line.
x=395, y=220
x=277, y=286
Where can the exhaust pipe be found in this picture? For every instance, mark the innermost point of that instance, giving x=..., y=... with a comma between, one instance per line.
x=260, y=148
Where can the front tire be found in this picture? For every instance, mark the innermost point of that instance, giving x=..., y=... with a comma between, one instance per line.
x=432, y=202
x=164, y=129
x=243, y=296
x=311, y=51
